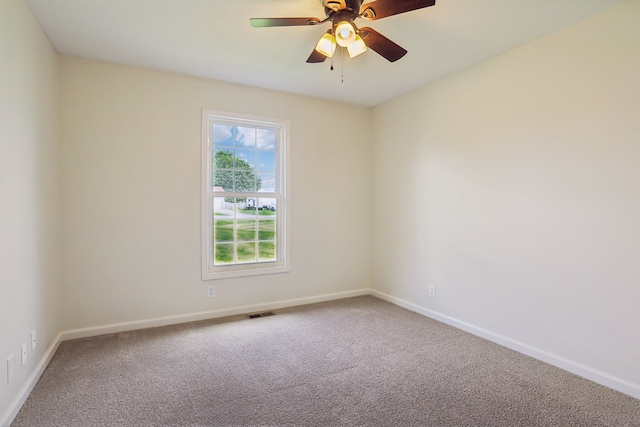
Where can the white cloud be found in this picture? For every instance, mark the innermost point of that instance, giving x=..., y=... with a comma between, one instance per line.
x=266, y=139
x=246, y=137
x=221, y=132
x=268, y=181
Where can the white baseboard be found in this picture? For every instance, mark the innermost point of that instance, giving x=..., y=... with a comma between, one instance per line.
x=579, y=369
x=205, y=315
x=27, y=388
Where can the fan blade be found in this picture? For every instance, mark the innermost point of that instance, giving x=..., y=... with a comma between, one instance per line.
x=382, y=45
x=382, y=8
x=282, y=22
x=316, y=57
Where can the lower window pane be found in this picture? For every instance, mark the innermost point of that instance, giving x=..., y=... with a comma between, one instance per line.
x=246, y=252
x=267, y=251
x=223, y=231
x=246, y=230
x=223, y=253
x=266, y=229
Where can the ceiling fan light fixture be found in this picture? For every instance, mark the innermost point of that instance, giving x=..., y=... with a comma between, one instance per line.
x=327, y=45
x=357, y=47
x=345, y=33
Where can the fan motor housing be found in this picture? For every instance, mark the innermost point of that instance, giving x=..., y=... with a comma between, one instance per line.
x=333, y=5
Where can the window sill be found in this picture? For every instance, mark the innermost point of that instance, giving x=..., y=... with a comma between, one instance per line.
x=237, y=271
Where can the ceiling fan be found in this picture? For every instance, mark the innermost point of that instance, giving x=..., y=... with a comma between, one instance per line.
x=343, y=32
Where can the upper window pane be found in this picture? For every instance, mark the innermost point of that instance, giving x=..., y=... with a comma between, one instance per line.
x=267, y=182
x=266, y=139
x=239, y=163
x=222, y=134
x=245, y=159
x=245, y=181
x=223, y=169
x=245, y=137
x=266, y=161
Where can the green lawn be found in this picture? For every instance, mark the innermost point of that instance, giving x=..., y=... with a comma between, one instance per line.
x=245, y=229
x=267, y=251
x=245, y=232
x=223, y=230
x=224, y=253
x=266, y=229
x=246, y=252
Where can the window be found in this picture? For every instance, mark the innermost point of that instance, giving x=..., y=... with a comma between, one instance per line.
x=244, y=203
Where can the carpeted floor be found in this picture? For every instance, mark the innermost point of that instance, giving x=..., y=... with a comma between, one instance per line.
x=353, y=362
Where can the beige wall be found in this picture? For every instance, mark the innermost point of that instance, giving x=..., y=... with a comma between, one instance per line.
x=514, y=187
x=29, y=194
x=131, y=143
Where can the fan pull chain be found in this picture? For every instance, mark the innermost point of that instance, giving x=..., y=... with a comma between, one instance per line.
x=342, y=65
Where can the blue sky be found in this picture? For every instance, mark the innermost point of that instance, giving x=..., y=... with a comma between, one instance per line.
x=229, y=135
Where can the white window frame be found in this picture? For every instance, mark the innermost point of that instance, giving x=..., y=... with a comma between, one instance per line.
x=281, y=265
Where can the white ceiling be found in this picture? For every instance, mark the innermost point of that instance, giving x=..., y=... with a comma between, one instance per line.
x=213, y=39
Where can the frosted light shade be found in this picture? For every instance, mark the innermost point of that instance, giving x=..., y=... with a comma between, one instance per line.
x=357, y=47
x=327, y=45
x=345, y=33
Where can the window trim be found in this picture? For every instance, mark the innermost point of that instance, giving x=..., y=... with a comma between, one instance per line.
x=282, y=265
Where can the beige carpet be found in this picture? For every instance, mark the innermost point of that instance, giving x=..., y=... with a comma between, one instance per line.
x=354, y=362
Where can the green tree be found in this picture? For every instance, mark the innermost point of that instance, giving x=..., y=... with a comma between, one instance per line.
x=245, y=177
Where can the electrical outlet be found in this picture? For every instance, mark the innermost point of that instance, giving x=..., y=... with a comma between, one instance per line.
x=33, y=340
x=211, y=291
x=432, y=291
x=23, y=354
x=9, y=368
